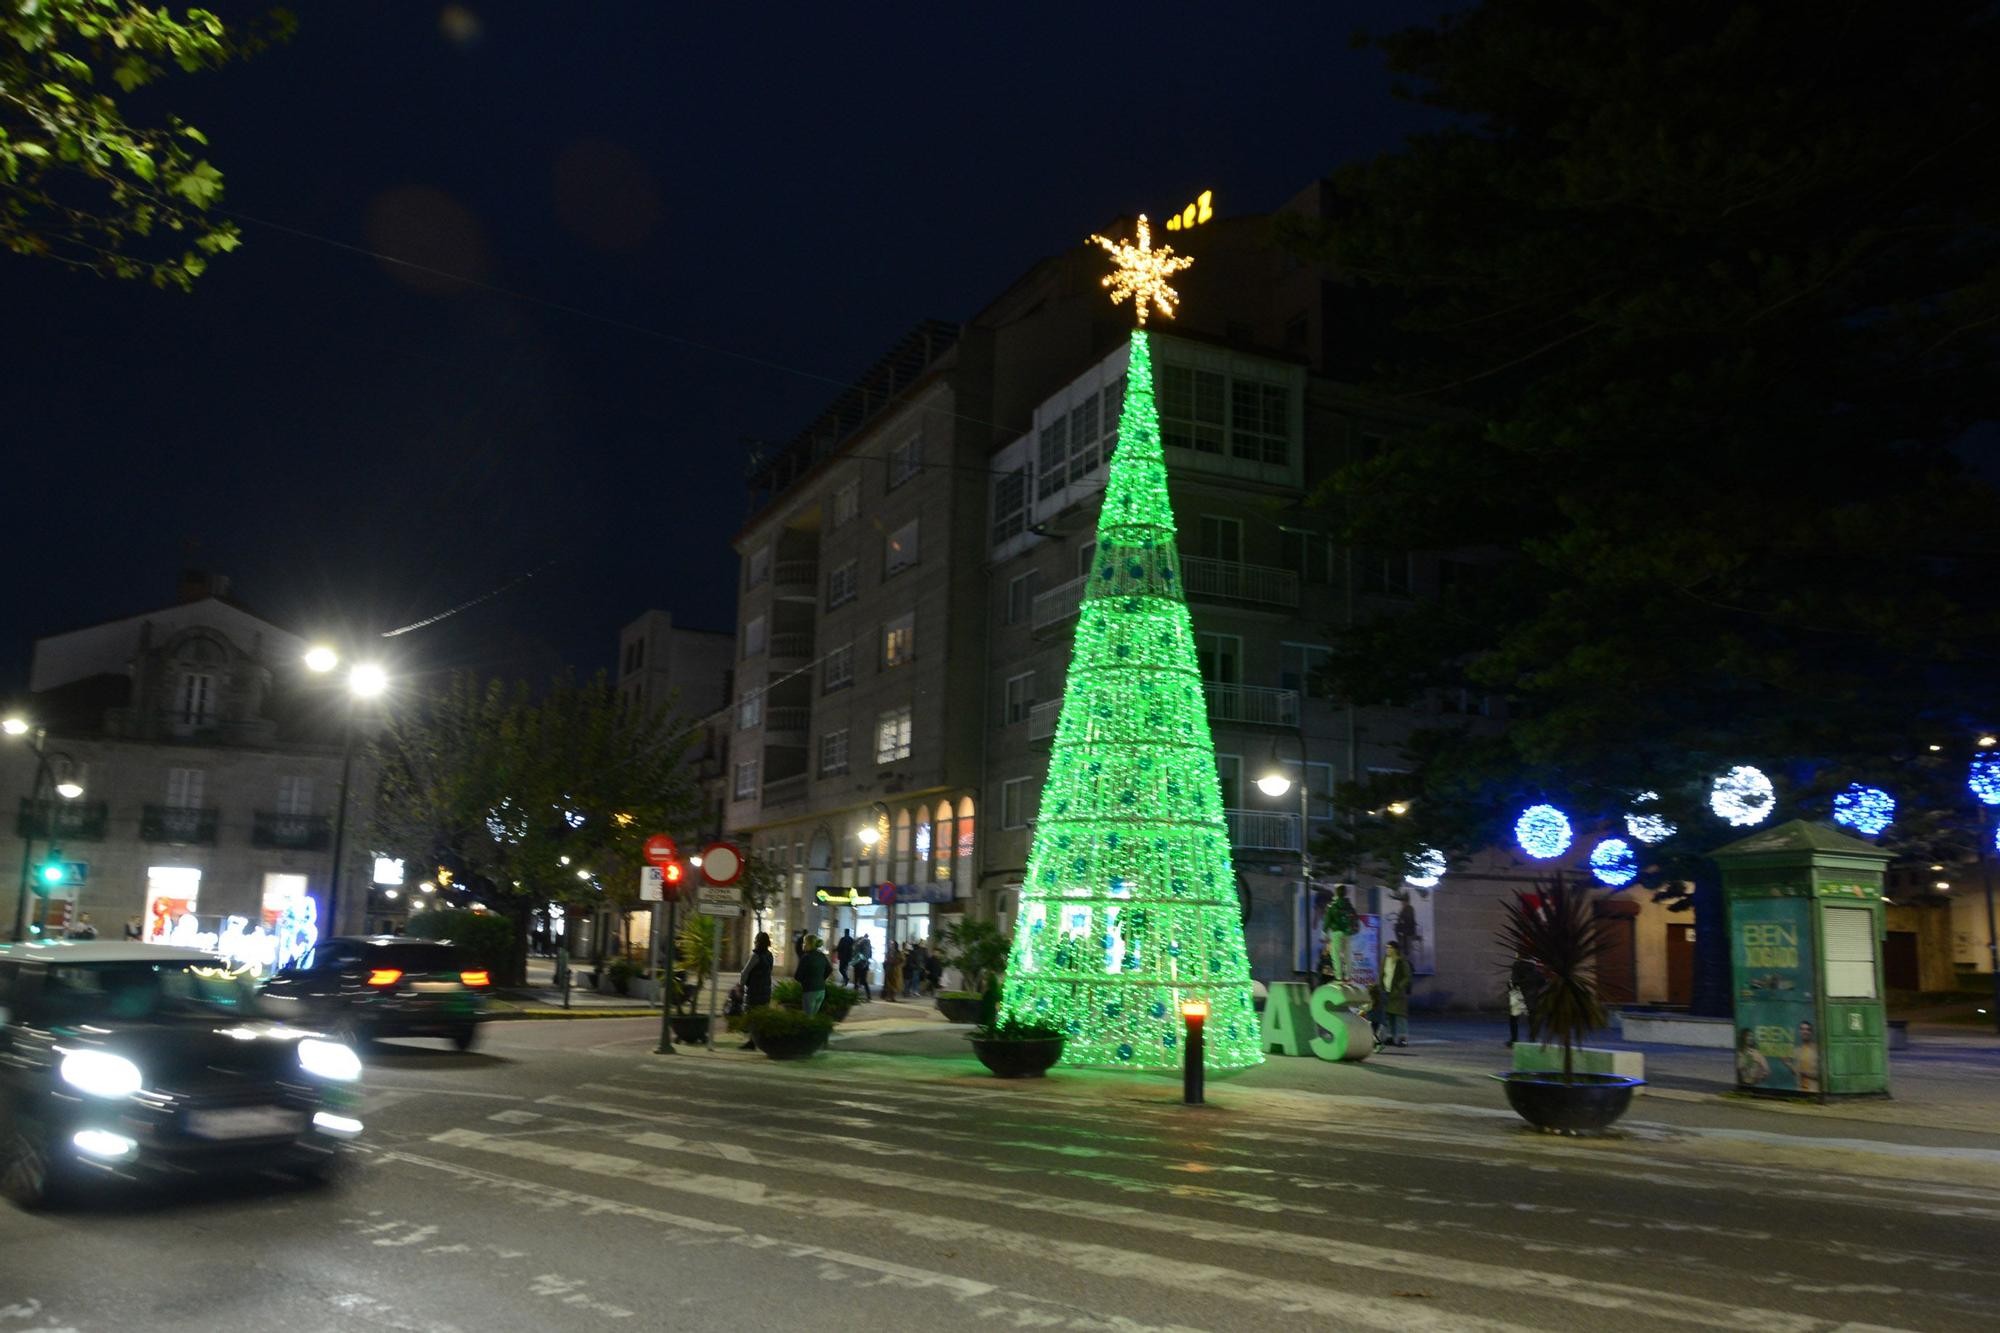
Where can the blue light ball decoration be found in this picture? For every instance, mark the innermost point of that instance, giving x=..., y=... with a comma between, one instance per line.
x=1543, y=832
x=1743, y=796
x=1983, y=778
x=1864, y=809
x=1614, y=863
x=1648, y=828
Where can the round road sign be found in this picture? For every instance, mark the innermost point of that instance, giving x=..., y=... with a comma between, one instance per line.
x=721, y=863
x=659, y=849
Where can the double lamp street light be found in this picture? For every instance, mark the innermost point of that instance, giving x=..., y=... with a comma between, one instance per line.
x=365, y=681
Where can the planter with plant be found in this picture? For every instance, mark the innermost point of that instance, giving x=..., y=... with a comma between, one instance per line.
x=621, y=971
x=1016, y=1049
x=694, y=957
x=1555, y=929
x=838, y=1002
x=786, y=1034
x=978, y=949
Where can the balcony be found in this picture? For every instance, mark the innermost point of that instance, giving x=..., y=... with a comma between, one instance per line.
x=796, y=578
x=181, y=825
x=1262, y=830
x=792, y=646
x=1233, y=581
x=1042, y=720
x=785, y=791
x=74, y=821
x=294, y=833
x=1259, y=705
x=1056, y=605
x=788, y=720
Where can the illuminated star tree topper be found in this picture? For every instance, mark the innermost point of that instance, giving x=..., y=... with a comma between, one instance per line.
x=1139, y=272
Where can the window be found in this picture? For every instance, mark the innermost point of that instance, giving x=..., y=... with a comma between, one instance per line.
x=847, y=504
x=746, y=778
x=899, y=639
x=833, y=753
x=1319, y=789
x=1220, y=657
x=900, y=552
x=1083, y=439
x=1010, y=505
x=1469, y=702
x=295, y=795
x=1017, y=802
x=842, y=584
x=838, y=671
x=750, y=710
x=184, y=788
x=905, y=461
x=197, y=699
x=1229, y=770
x=1114, y=406
x=1019, y=694
x=1084, y=555
x=1383, y=573
x=1021, y=590
x=759, y=570
x=1221, y=538
x=635, y=655
x=892, y=735
x=1300, y=668
x=1310, y=555
x=1191, y=409
x=1053, y=457
x=1456, y=575
x=753, y=637
x=1259, y=422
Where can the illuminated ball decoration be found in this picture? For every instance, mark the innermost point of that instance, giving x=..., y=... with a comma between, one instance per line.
x=1649, y=828
x=1543, y=832
x=1983, y=778
x=1864, y=809
x=1614, y=863
x=1427, y=867
x=1743, y=796
x=1129, y=907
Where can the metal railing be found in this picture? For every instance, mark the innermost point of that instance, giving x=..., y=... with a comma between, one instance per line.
x=1042, y=720
x=790, y=718
x=1234, y=581
x=794, y=644
x=1262, y=830
x=797, y=572
x=177, y=824
x=783, y=791
x=1262, y=705
x=75, y=821
x=1056, y=605
x=299, y=833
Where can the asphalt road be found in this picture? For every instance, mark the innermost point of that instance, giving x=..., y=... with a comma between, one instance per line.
x=564, y=1178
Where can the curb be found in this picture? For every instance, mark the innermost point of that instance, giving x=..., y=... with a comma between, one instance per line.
x=523, y=1015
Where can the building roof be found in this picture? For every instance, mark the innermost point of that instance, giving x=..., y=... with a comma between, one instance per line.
x=1802, y=836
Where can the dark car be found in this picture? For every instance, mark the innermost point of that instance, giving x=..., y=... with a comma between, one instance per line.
x=365, y=987
x=139, y=1061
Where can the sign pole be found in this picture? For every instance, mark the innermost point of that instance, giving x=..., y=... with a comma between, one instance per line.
x=714, y=974
x=666, y=1046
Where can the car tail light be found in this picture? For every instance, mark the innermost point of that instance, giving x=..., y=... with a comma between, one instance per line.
x=478, y=978
x=385, y=976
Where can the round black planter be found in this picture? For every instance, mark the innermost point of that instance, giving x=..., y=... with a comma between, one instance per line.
x=1589, y=1104
x=792, y=1046
x=689, y=1029
x=959, y=1008
x=1018, y=1059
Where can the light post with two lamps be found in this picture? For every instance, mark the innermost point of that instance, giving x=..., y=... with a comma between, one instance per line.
x=1983, y=781
x=365, y=680
x=64, y=786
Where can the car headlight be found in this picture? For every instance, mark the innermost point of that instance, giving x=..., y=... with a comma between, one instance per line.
x=329, y=1059
x=100, y=1073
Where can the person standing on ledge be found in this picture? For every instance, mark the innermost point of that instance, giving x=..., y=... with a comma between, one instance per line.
x=811, y=974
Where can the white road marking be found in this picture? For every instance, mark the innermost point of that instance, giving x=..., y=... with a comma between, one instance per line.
x=515, y=1117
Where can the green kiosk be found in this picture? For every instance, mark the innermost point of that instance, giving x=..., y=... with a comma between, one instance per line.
x=1805, y=954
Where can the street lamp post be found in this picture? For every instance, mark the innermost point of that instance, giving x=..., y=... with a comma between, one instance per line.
x=365, y=681
x=1983, y=780
x=44, y=774
x=1275, y=784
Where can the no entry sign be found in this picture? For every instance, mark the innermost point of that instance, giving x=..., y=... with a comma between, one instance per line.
x=659, y=849
x=721, y=863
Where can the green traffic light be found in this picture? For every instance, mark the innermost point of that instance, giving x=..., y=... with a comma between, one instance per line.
x=53, y=873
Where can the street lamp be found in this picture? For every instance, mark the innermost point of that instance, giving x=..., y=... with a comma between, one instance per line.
x=366, y=680
x=66, y=787
x=321, y=659
x=1982, y=779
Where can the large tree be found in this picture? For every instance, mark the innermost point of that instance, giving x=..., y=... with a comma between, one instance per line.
x=524, y=793
x=1702, y=302
x=79, y=182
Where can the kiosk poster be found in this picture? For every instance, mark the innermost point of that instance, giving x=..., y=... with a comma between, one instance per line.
x=1771, y=955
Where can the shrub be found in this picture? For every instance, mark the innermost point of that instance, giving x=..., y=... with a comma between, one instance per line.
x=976, y=948
x=785, y=994
x=622, y=970
x=484, y=939
x=839, y=999
x=774, y=1022
x=1017, y=1029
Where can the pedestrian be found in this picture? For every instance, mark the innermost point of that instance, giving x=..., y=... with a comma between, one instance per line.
x=133, y=928
x=934, y=970
x=864, y=963
x=1396, y=980
x=892, y=973
x=811, y=974
x=1522, y=983
x=843, y=953
x=1323, y=971
x=756, y=978
x=914, y=963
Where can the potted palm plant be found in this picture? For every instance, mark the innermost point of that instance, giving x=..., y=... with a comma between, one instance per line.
x=1555, y=929
x=978, y=950
x=694, y=951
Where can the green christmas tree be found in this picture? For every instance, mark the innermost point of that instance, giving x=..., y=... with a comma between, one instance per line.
x=1129, y=908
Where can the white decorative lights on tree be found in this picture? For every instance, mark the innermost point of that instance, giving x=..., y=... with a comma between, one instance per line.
x=1649, y=828
x=1543, y=832
x=1864, y=809
x=1139, y=272
x=1426, y=869
x=1614, y=863
x=1743, y=796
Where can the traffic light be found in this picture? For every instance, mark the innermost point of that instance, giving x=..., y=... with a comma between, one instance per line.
x=673, y=872
x=48, y=875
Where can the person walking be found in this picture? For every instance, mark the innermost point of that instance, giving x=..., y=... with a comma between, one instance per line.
x=1522, y=983
x=934, y=970
x=914, y=963
x=892, y=973
x=811, y=974
x=843, y=953
x=1396, y=978
x=864, y=963
x=756, y=979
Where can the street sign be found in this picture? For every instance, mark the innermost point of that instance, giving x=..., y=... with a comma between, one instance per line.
x=652, y=885
x=885, y=892
x=718, y=900
x=660, y=849
x=721, y=863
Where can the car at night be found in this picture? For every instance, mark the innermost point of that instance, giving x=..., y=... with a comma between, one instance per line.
x=365, y=988
x=142, y=1062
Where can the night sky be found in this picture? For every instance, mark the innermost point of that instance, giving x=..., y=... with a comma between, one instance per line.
x=696, y=223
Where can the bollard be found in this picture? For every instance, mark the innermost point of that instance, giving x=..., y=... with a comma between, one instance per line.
x=1195, y=1014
